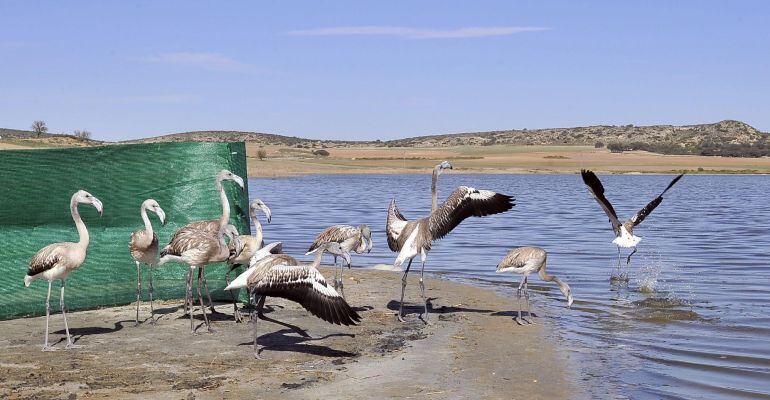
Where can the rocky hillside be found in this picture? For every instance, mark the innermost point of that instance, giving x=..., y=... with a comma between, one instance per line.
x=728, y=138
x=268, y=139
x=687, y=136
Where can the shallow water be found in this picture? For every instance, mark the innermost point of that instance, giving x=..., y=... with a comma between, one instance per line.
x=694, y=319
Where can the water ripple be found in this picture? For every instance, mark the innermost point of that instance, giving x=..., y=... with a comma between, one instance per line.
x=694, y=321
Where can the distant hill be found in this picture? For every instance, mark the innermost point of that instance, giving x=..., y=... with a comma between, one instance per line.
x=687, y=135
x=240, y=136
x=727, y=138
x=30, y=139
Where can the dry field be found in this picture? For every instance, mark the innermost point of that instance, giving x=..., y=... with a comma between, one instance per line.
x=282, y=161
x=287, y=161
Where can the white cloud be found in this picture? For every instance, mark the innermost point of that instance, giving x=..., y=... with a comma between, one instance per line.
x=159, y=99
x=214, y=61
x=416, y=33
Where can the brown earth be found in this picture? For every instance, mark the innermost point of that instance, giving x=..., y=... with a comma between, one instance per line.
x=472, y=350
x=282, y=161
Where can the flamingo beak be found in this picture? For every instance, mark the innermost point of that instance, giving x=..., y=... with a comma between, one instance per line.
x=161, y=216
x=265, y=209
x=346, y=256
x=237, y=179
x=98, y=206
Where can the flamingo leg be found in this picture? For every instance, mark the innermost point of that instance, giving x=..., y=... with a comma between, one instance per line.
x=342, y=285
x=46, y=347
x=254, y=319
x=615, y=275
x=70, y=345
x=188, y=300
x=518, y=297
x=422, y=291
x=526, y=297
x=206, y=287
x=152, y=289
x=403, y=289
x=236, y=313
x=260, y=305
x=628, y=261
x=138, y=291
x=201, y=280
x=335, y=272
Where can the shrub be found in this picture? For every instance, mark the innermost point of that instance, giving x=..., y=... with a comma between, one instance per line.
x=598, y=145
x=261, y=154
x=616, y=147
x=322, y=153
x=84, y=134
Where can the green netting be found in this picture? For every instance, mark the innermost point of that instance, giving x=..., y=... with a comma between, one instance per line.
x=36, y=188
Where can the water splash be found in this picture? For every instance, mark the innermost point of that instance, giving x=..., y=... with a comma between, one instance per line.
x=647, y=280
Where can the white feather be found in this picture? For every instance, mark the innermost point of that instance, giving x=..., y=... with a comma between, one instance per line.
x=242, y=280
x=482, y=194
x=409, y=250
x=626, y=239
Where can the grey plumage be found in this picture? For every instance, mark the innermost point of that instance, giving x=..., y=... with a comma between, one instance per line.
x=198, y=249
x=524, y=261
x=412, y=238
x=281, y=276
x=350, y=238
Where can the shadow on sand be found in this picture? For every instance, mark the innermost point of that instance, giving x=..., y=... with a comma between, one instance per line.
x=512, y=314
x=79, y=333
x=282, y=340
x=418, y=308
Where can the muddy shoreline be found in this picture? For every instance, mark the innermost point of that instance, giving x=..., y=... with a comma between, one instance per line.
x=473, y=349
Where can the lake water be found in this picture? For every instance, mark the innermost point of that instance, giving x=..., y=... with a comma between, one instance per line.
x=694, y=320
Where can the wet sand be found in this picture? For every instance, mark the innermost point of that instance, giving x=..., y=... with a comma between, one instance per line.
x=473, y=350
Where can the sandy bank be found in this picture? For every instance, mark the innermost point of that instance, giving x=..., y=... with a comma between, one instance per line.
x=473, y=350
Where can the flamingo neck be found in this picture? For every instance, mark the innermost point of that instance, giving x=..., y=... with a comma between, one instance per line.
x=257, y=226
x=225, y=204
x=81, y=227
x=224, y=251
x=434, y=193
x=317, y=261
x=146, y=220
x=563, y=287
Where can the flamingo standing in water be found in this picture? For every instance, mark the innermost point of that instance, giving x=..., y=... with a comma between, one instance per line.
x=524, y=261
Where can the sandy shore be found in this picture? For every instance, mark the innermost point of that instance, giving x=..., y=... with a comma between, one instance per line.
x=473, y=350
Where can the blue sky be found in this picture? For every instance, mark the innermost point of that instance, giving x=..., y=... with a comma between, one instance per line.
x=379, y=70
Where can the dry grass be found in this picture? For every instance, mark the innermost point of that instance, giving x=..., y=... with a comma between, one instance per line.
x=490, y=159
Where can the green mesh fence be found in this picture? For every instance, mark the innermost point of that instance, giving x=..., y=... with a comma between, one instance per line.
x=36, y=188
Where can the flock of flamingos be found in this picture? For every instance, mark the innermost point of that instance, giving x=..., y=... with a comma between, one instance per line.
x=272, y=273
